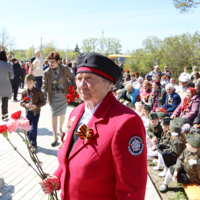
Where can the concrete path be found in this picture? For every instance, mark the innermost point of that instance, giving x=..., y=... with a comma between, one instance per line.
x=19, y=181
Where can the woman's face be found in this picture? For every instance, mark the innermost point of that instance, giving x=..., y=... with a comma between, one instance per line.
x=188, y=94
x=53, y=63
x=194, y=69
x=132, y=78
x=191, y=148
x=30, y=64
x=146, y=87
x=155, y=87
x=91, y=87
x=172, y=81
x=185, y=70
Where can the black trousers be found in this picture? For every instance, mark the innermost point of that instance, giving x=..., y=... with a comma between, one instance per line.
x=21, y=83
x=15, y=87
x=4, y=105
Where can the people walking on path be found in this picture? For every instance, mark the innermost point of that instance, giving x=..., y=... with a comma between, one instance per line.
x=5, y=84
x=37, y=69
x=55, y=87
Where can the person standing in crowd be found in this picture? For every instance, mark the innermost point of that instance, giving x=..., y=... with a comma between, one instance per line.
x=130, y=94
x=145, y=92
x=46, y=65
x=106, y=164
x=157, y=96
x=133, y=80
x=55, y=87
x=173, y=82
x=18, y=76
x=164, y=81
x=194, y=69
x=64, y=62
x=172, y=99
x=155, y=72
x=139, y=83
x=196, y=77
x=166, y=73
x=180, y=90
x=23, y=76
x=136, y=75
x=9, y=57
x=32, y=106
x=189, y=107
x=69, y=65
x=185, y=73
x=37, y=69
x=5, y=89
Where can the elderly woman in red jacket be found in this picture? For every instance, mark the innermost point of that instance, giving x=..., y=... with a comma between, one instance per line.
x=97, y=160
x=189, y=107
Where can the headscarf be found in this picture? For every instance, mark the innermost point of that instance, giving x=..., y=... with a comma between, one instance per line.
x=186, y=100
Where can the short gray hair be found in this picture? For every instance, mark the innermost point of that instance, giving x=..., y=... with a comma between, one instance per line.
x=169, y=85
x=156, y=66
x=37, y=51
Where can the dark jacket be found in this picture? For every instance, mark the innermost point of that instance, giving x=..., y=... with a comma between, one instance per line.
x=17, y=72
x=161, y=95
x=192, y=171
x=172, y=104
x=176, y=146
x=154, y=131
x=37, y=99
x=23, y=73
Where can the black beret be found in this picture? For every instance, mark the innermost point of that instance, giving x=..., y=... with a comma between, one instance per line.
x=100, y=65
x=153, y=115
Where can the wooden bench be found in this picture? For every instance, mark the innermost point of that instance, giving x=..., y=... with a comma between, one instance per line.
x=192, y=191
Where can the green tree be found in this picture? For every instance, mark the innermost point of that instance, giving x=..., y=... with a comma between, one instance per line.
x=72, y=55
x=20, y=55
x=176, y=52
x=62, y=52
x=76, y=49
x=30, y=52
x=186, y=5
x=89, y=45
x=47, y=48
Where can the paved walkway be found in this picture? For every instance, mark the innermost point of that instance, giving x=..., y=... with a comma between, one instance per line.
x=20, y=182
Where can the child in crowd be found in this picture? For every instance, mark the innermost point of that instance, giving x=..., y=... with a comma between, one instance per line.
x=131, y=106
x=165, y=138
x=119, y=94
x=161, y=115
x=138, y=106
x=154, y=130
x=32, y=100
x=168, y=154
x=187, y=167
x=145, y=115
x=30, y=64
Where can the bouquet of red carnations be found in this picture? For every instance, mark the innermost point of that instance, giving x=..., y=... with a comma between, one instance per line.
x=22, y=123
x=72, y=97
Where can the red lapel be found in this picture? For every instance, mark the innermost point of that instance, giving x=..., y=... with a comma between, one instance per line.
x=98, y=116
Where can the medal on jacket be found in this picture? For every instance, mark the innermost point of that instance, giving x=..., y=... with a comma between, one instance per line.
x=170, y=101
x=64, y=134
x=85, y=133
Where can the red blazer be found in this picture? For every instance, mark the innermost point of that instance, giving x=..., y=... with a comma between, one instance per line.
x=106, y=167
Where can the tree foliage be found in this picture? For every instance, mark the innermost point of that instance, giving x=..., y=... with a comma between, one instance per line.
x=6, y=41
x=176, y=52
x=107, y=45
x=76, y=49
x=47, y=48
x=30, y=52
x=186, y=5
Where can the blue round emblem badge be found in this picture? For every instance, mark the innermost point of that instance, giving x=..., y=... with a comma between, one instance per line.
x=135, y=145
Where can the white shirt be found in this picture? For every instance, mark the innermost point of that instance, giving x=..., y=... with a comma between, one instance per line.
x=38, y=67
x=145, y=120
x=87, y=115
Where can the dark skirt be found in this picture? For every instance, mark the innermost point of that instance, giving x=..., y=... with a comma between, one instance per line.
x=168, y=157
x=182, y=176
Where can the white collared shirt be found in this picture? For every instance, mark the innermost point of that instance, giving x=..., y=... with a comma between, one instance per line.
x=87, y=115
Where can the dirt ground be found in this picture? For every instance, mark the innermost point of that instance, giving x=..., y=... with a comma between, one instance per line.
x=175, y=191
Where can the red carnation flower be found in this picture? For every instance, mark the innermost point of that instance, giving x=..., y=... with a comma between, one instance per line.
x=3, y=128
x=77, y=95
x=26, y=98
x=68, y=96
x=16, y=115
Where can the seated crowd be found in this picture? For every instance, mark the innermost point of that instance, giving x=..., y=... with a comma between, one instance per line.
x=171, y=116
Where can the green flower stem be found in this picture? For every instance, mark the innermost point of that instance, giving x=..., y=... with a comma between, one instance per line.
x=19, y=135
x=22, y=156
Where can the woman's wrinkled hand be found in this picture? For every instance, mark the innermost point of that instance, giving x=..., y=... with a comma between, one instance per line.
x=49, y=183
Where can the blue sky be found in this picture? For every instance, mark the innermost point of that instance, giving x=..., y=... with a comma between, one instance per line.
x=69, y=22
